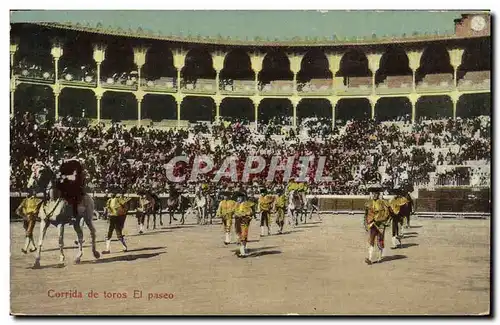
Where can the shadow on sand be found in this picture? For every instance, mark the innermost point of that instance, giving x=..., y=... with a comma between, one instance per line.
x=145, y=249
x=49, y=266
x=119, y=258
x=406, y=245
x=393, y=258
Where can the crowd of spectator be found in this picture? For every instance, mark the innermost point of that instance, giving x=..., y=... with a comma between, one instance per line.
x=136, y=158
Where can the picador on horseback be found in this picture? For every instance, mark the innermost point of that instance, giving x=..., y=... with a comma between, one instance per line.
x=65, y=201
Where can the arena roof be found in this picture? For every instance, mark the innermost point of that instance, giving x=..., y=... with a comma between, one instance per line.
x=253, y=27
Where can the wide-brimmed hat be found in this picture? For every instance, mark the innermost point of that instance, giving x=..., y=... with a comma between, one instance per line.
x=375, y=188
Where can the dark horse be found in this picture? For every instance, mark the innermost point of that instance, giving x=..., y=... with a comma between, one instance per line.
x=157, y=209
x=400, y=209
x=176, y=202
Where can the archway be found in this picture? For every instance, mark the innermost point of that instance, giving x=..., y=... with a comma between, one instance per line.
x=119, y=58
x=476, y=57
x=275, y=66
x=35, y=99
x=318, y=108
x=158, y=107
x=434, y=60
x=198, y=64
x=433, y=108
x=197, y=109
x=34, y=47
x=118, y=106
x=77, y=60
x=354, y=63
x=394, y=62
x=393, y=109
x=472, y=105
x=241, y=109
x=352, y=109
x=314, y=65
x=237, y=66
x=275, y=110
x=77, y=102
x=159, y=63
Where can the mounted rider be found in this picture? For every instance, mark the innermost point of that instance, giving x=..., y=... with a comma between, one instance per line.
x=71, y=178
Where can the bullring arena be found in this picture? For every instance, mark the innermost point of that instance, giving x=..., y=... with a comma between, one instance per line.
x=317, y=268
x=391, y=102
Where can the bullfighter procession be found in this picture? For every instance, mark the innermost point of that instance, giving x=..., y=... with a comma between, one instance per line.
x=225, y=163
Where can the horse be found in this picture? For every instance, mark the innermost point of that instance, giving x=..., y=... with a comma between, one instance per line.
x=145, y=209
x=177, y=202
x=400, y=208
x=313, y=206
x=55, y=210
x=296, y=204
x=201, y=204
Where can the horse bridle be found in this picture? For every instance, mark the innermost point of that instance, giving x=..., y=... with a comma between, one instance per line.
x=49, y=215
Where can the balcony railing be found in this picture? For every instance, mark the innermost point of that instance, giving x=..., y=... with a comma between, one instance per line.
x=200, y=86
x=83, y=80
x=160, y=85
x=34, y=74
x=118, y=83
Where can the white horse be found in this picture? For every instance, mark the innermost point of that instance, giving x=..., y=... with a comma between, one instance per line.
x=296, y=204
x=58, y=212
x=201, y=206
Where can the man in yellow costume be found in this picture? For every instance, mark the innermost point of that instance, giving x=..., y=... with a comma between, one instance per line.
x=243, y=215
x=400, y=207
x=264, y=207
x=279, y=208
x=225, y=211
x=118, y=208
x=376, y=216
x=28, y=210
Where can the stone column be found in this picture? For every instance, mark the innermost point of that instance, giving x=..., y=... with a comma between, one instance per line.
x=56, y=91
x=217, y=100
x=13, y=50
x=333, y=101
x=178, y=100
x=295, y=102
x=334, y=65
x=455, y=96
x=139, y=96
x=256, y=58
x=99, y=56
x=98, y=96
x=373, y=102
x=456, y=61
x=218, y=58
x=179, y=62
x=414, y=61
x=374, y=64
x=140, y=60
x=256, y=101
x=413, y=100
x=12, y=93
x=295, y=62
x=56, y=52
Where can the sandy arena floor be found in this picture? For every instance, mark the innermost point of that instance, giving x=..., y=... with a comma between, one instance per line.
x=318, y=268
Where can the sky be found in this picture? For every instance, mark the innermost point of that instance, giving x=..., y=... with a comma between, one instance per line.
x=246, y=25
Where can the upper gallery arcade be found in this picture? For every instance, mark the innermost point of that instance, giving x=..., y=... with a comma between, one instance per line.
x=155, y=79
